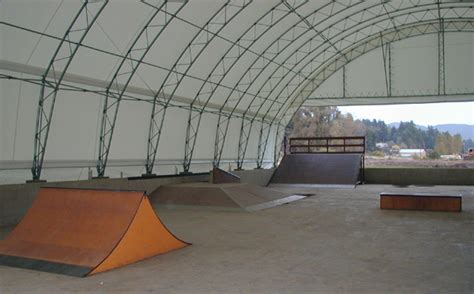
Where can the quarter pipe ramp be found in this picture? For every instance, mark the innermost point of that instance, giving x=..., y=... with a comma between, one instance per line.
x=328, y=169
x=80, y=232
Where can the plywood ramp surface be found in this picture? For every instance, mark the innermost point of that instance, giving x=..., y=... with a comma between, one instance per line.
x=230, y=196
x=80, y=231
x=334, y=169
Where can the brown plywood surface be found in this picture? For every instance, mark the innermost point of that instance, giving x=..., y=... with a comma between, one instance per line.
x=221, y=196
x=220, y=176
x=147, y=236
x=73, y=226
x=421, y=202
x=333, y=169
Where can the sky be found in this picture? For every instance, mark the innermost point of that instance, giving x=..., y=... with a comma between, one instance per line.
x=420, y=114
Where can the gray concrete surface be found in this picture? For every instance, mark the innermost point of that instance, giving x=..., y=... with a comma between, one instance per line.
x=337, y=241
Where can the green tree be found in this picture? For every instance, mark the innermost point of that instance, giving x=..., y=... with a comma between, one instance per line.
x=443, y=143
x=456, y=144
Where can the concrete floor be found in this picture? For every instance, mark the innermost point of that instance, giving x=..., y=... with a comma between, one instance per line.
x=337, y=241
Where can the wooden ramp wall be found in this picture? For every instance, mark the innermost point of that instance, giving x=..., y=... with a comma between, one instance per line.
x=332, y=169
x=80, y=232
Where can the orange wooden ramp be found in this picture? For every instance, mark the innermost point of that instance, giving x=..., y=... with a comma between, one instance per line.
x=81, y=232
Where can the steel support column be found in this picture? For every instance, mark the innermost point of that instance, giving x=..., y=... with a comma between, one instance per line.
x=387, y=65
x=441, y=62
x=61, y=60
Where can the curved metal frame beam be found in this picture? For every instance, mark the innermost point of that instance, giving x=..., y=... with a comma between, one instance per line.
x=157, y=22
x=185, y=61
x=305, y=52
x=356, y=50
x=62, y=58
x=258, y=66
x=248, y=38
x=312, y=66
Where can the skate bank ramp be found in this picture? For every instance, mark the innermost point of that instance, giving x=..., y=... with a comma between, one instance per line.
x=80, y=232
x=226, y=197
x=324, y=169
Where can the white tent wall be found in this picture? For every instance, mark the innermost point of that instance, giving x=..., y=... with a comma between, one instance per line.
x=270, y=148
x=364, y=75
x=18, y=113
x=75, y=128
x=74, y=131
x=415, y=64
x=414, y=70
x=460, y=62
x=332, y=87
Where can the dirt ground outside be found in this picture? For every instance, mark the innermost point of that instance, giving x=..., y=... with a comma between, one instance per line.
x=372, y=161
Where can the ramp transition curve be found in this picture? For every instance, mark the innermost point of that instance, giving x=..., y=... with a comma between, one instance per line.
x=80, y=232
x=329, y=169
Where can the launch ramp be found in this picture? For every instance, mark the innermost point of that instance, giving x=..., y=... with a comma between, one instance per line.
x=322, y=161
x=80, y=232
x=227, y=196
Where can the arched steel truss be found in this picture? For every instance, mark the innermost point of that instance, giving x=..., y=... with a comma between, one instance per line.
x=225, y=65
x=311, y=67
x=282, y=75
x=52, y=78
x=354, y=51
x=157, y=22
x=261, y=63
x=184, y=63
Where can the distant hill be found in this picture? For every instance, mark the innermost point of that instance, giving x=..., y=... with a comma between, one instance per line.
x=466, y=131
x=397, y=124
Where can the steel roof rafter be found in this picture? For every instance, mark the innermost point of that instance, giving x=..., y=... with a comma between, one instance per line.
x=152, y=29
x=246, y=125
x=349, y=34
x=279, y=45
x=62, y=58
x=185, y=61
x=298, y=82
x=114, y=54
x=305, y=49
x=225, y=64
x=400, y=31
x=371, y=43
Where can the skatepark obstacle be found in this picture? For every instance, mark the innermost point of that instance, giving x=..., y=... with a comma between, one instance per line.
x=81, y=232
x=323, y=160
x=227, y=197
x=220, y=176
x=421, y=201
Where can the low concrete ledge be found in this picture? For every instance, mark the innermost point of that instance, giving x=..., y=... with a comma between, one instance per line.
x=420, y=176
